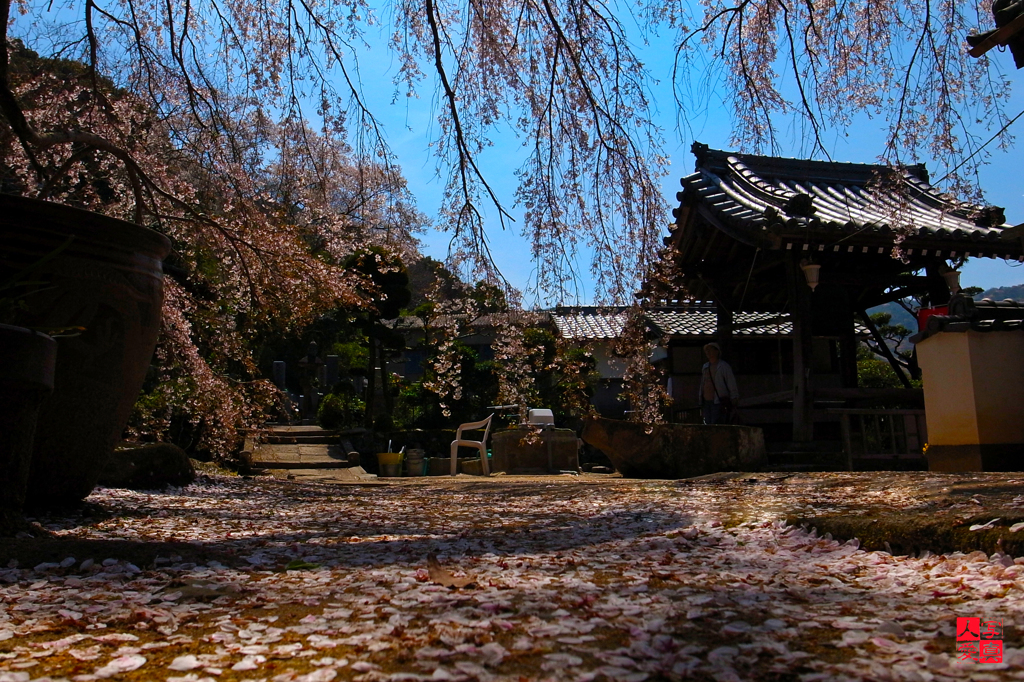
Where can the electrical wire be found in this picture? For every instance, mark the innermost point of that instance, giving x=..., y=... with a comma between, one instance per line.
x=979, y=149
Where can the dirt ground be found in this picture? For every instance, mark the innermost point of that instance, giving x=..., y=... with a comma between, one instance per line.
x=725, y=577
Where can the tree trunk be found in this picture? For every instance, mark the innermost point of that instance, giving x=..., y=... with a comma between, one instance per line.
x=883, y=348
x=385, y=383
x=371, y=380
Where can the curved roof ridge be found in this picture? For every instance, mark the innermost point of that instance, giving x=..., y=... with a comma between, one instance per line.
x=739, y=188
x=740, y=195
x=779, y=166
x=778, y=195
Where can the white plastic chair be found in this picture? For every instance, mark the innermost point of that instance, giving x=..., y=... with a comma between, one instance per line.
x=480, y=445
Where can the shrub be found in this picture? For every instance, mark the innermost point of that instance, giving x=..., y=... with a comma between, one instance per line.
x=339, y=411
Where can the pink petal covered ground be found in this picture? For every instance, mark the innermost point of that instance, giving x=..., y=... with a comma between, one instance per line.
x=571, y=580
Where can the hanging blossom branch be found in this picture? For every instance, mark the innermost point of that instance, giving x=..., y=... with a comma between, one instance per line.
x=643, y=387
x=562, y=74
x=214, y=407
x=520, y=361
x=448, y=322
x=268, y=264
x=576, y=370
x=197, y=66
x=905, y=63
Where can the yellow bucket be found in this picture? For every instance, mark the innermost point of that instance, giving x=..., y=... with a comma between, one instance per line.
x=389, y=458
x=389, y=464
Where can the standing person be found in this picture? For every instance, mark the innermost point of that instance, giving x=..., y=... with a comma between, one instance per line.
x=718, y=393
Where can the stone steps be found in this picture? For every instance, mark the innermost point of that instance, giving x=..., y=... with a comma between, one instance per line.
x=299, y=447
x=326, y=438
x=307, y=435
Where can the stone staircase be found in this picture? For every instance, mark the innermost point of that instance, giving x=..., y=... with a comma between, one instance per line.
x=299, y=447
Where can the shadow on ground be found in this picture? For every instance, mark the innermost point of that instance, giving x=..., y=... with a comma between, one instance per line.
x=386, y=539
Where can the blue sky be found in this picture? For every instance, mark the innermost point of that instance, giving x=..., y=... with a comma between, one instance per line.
x=410, y=123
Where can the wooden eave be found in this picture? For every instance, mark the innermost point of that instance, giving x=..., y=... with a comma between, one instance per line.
x=1000, y=38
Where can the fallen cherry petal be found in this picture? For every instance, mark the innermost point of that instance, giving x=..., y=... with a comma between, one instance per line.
x=185, y=663
x=121, y=664
x=14, y=677
x=249, y=663
x=983, y=526
x=441, y=576
x=738, y=627
x=321, y=675
x=364, y=666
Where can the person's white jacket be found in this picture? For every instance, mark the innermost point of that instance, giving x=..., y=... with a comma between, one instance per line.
x=725, y=382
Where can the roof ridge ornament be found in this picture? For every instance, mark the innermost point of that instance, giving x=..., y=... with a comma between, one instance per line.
x=700, y=151
x=962, y=306
x=801, y=205
x=989, y=216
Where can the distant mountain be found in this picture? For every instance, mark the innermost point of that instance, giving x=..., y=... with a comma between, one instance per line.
x=999, y=293
x=901, y=316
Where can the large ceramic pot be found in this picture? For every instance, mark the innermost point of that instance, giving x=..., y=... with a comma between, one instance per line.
x=26, y=378
x=109, y=281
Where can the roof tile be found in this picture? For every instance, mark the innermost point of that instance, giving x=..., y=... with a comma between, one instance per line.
x=699, y=320
x=842, y=199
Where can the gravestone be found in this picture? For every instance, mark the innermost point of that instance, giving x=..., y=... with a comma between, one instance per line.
x=310, y=372
x=332, y=373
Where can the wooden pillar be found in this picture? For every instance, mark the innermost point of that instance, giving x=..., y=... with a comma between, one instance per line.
x=848, y=351
x=848, y=357
x=800, y=313
x=847, y=343
x=724, y=335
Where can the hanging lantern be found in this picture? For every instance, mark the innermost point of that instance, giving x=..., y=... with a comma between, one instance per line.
x=952, y=281
x=811, y=272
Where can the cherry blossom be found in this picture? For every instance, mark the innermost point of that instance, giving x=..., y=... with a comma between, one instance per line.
x=570, y=578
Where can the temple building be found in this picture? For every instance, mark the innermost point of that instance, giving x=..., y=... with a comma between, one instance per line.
x=810, y=247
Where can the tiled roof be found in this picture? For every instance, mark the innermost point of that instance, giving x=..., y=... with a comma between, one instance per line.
x=405, y=323
x=705, y=323
x=698, y=320
x=590, y=324
x=757, y=197
x=985, y=315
